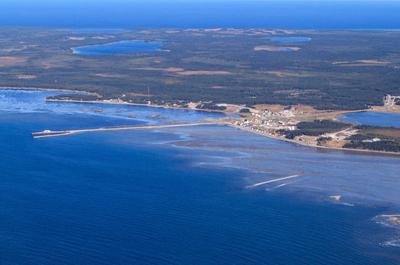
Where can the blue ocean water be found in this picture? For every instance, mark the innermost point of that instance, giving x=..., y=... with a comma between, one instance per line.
x=324, y=14
x=373, y=118
x=129, y=198
x=120, y=47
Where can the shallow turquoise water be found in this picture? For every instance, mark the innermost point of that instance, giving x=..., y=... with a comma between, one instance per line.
x=136, y=198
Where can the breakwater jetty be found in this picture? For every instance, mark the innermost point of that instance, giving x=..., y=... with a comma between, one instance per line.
x=50, y=133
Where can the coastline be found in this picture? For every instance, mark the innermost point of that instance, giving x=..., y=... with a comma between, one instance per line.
x=364, y=151
x=115, y=102
x=230, y=124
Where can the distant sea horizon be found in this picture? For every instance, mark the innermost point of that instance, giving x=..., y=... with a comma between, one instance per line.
x=324, y=14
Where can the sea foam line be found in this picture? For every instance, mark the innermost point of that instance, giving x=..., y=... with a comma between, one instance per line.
x=272, y=181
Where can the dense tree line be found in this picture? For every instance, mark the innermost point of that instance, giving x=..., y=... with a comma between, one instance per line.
x=315, y=128
x=375, y=138
x=383, y=145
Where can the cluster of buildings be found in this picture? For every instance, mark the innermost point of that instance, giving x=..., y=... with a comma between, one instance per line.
x=391, y=101
x=268, y=122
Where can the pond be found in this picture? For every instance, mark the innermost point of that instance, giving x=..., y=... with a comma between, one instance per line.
x=120, y=47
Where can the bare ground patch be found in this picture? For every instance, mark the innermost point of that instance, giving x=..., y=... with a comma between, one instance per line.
x=109, y=75
x=283, y=74
x=26, y=77
x=365, y=62
x=139, y=95
x=17, y=48
x=168, y=69
x=297, y=92
x=203, y=72
x=76, y=38
x=183, y=72
x=6, y=61
x=172, y=82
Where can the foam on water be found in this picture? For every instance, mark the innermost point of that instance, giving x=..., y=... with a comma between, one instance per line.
x=391, y=221
x=392, y=243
